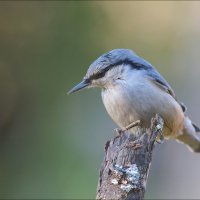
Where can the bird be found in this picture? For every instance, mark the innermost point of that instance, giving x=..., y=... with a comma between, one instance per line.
x=132, y=89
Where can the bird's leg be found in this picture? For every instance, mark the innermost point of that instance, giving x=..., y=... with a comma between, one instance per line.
x=157, y=132
x=160, y=138
x=120, y=131
x=135, y=144
x=157, y=136
x=133, y=124
x=138, y=142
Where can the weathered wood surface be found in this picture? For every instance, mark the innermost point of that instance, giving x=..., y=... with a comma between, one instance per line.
x=125, y=168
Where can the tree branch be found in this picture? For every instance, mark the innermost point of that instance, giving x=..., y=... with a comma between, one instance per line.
x=125, y=168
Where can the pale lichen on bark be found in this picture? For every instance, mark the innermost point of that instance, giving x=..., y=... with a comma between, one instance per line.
x=125, y=168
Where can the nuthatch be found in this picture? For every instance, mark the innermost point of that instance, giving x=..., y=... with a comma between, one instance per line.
x=132, y=89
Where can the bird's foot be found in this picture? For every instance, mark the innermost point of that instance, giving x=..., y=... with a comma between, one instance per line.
x=158, y=134
x=120, y=131
x=160, y=138
x=133, y=124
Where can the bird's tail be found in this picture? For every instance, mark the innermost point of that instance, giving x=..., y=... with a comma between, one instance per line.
x=190, y=136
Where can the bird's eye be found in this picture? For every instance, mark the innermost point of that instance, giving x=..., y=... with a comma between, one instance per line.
x=119, y=78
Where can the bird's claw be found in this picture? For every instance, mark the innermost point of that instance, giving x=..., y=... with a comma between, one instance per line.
x=120, y=131
x=160, y=140
x=160, y=136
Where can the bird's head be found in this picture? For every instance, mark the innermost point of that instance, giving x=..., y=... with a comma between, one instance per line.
x=110, y=68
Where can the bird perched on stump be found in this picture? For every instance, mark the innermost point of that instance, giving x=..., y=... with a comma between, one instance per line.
x=132, y=89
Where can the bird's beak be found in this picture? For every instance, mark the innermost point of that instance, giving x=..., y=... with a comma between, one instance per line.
x=83, y=84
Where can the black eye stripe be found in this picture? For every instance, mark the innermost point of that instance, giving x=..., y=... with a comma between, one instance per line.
x=136, y=66
x=99, y=74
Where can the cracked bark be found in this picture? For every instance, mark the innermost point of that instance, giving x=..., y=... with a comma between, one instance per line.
x=124, y=171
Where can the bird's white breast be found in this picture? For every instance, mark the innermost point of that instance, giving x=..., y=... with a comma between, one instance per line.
x=137, y=98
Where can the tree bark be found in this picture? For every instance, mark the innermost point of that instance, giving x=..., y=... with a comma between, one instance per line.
x=124, y=171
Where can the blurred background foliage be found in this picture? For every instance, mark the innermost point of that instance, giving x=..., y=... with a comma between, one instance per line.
x=52, y=143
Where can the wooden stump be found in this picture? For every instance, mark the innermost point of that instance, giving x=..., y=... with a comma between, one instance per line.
x=125, y=168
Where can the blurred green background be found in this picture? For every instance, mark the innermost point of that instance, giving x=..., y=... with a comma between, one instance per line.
x=51, y=144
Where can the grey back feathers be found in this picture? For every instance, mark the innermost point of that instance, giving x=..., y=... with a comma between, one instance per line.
x=118, y=57
x=115, y=58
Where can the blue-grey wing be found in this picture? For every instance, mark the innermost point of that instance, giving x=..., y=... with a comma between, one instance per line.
x=158, y=80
